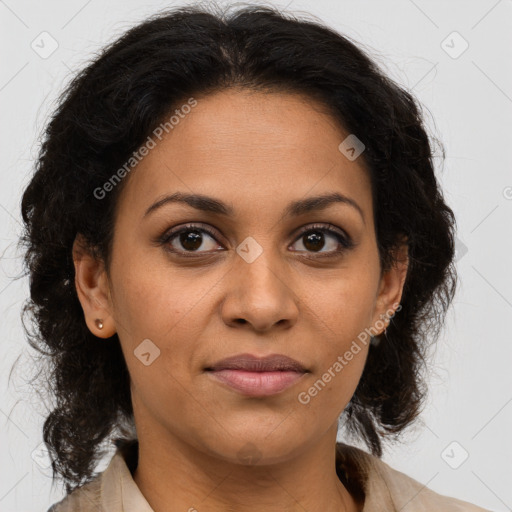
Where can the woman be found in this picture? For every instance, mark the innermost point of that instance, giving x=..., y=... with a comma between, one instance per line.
x=234, y=237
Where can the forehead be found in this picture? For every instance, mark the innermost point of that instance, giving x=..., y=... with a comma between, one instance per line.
x=250, y=148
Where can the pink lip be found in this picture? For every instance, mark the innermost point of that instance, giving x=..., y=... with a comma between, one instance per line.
x=258, y=383
x=249, y=362
x=258, y=376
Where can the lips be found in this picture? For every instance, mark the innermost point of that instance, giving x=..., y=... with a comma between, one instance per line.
x=257, y=376
x=248, y=362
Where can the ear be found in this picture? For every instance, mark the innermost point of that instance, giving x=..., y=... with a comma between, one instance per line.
x=93, y=289
x=391, y=287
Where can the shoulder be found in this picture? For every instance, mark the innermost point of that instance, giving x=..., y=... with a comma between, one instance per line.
x=86, y=498
x=407, y=491
x=385, y=488
x=106, y=491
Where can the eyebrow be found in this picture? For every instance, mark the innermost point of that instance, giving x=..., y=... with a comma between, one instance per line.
x=211, y=205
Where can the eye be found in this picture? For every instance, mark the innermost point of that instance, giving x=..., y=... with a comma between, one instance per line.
x=192, y=240
x=189, y=239
x=313, y=239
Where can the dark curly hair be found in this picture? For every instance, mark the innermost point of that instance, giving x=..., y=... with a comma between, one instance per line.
x=107, y=112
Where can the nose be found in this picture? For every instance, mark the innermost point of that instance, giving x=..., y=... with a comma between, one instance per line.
x=260, y=294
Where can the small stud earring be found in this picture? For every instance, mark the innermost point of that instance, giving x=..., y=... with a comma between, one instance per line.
x=99, y=323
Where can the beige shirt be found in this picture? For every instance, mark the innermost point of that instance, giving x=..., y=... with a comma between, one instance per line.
x=385, y=489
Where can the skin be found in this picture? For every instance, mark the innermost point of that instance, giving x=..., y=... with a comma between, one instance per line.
x=257, y=152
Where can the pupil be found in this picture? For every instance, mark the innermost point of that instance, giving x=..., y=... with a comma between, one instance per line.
x=191, y=240
x=314, y=240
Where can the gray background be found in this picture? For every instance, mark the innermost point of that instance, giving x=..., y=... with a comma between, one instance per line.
x=468, y=104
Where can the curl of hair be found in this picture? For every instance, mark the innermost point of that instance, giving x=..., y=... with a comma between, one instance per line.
x=107, y=112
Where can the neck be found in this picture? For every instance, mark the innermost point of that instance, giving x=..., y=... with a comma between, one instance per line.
x=174, y=473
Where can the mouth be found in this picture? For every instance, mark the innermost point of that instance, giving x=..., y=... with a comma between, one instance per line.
x=255, y=376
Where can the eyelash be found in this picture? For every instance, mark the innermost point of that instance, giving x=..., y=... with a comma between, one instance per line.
x=345, y=241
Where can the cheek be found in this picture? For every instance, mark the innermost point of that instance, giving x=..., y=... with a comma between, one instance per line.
x=153, y=302
x=341, y=314
x=343, y=304
x=328, y=392
x=160, y=319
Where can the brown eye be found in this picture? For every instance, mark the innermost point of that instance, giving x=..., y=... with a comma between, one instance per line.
x=190, y=239
x=316, y=238
x=313, y=241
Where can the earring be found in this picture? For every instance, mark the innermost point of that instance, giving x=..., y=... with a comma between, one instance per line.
x=99, y=323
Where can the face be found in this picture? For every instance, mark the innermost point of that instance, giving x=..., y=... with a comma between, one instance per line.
x=255, y=276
